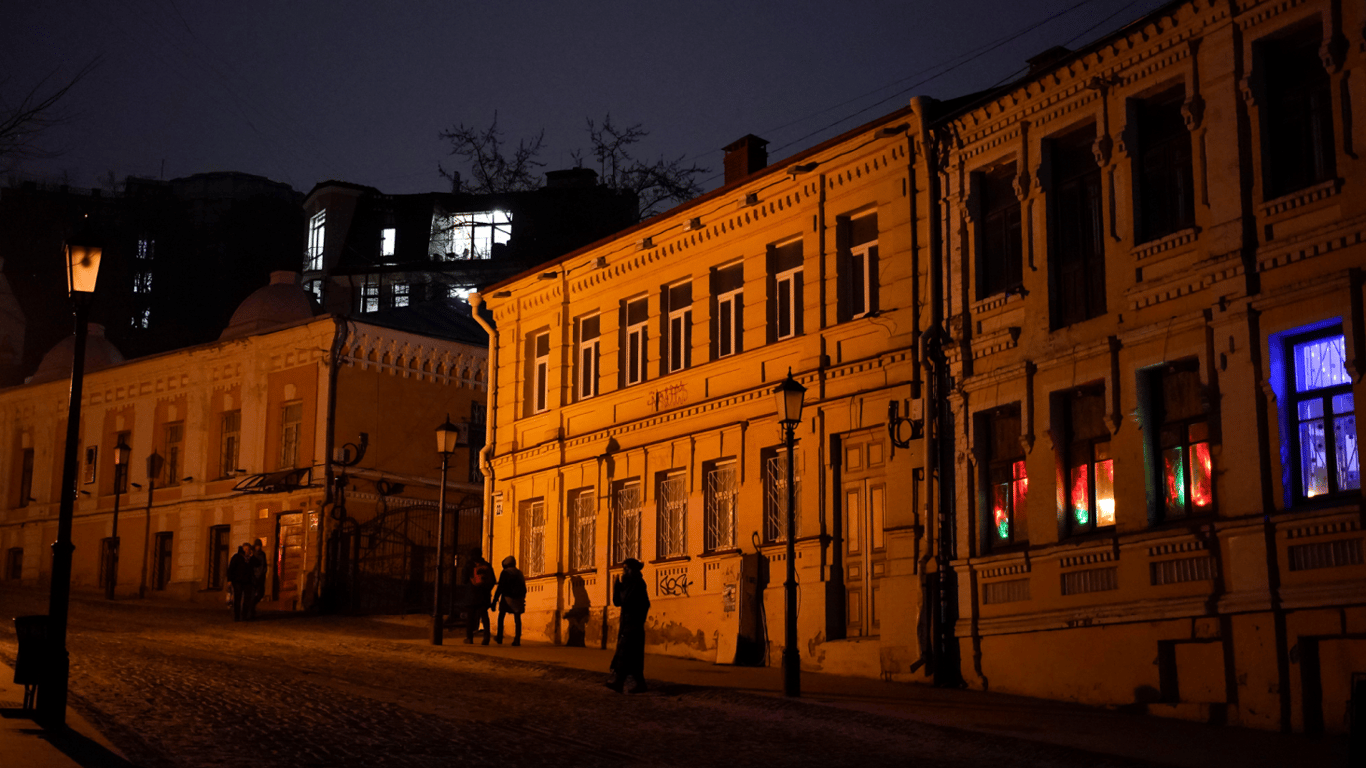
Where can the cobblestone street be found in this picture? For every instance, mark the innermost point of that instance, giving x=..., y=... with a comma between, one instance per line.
x=182, y=686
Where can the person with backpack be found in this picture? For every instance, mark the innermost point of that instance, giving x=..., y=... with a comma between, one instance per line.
x=481, y=590
x=510, y=598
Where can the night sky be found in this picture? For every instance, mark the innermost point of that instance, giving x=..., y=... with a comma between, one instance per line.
x=304, y=90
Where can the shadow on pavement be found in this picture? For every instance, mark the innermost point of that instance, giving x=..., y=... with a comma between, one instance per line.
x=83, y=751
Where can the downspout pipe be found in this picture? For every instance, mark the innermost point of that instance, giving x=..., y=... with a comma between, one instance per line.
x=339, y=333
x=490, y=418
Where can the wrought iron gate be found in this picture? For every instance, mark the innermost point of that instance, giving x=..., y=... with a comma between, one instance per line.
x=388, y=564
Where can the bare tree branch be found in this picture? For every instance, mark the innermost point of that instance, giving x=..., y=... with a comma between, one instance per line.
x=482, y=153
x=24, y=122
x=655, y=184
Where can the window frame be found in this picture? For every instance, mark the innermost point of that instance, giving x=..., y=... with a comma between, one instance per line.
x=1290, y=107
x=588, y=359
x=772, y=460
x=1094, y=451
x=229, y=442
x=677, y=329
x=173, y=445
x=531, y=543
x=671, y=515
x=290, y=448
x=1292, y=430
x=583, y=528
x=1004, y=272
x=636, y=342
x=1002, y=469
x=388, y=241
x=539, y=391
x=1076, y=212
x=787, y=285
x=1170, y=431
x=626, y=520
x=317, y=235
x=1163, y=167
x=721, y=497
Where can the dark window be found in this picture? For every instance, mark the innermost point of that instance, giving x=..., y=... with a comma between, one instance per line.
x=230, y=442
x=1078, y=255
x=857, y=267
x=14, y=564
x=1006, y=481
x=1323, y=435
x=25, y=477
x=218, y=555
x=1298, y=114
x=1089, y=469
x=1184, y=469
x=175, y=440
x=1163, y=167
x=1000, y=245
x=161, y=565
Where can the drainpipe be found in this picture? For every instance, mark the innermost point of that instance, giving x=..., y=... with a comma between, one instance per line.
x=490, y=417
x=329, y=445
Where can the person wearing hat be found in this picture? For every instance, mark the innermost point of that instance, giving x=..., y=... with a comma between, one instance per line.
x=510, y=597
x=480, y=580
x=630, y=594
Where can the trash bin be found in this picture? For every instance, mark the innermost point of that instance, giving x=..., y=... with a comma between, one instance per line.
x=30, y=665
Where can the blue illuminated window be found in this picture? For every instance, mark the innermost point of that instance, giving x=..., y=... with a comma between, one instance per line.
x=1321, y=430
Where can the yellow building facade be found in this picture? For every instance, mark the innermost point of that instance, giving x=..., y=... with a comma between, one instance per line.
x=1081, y=355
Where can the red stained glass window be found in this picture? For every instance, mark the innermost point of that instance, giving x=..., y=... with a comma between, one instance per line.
x=1186, y=476
x=1005, y=478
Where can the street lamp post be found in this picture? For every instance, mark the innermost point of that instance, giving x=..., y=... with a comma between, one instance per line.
x=154, y=465
x=447, y=435
x=82, y=271
x=121, y=452
x=790, y=395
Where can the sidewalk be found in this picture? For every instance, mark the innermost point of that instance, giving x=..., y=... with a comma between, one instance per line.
x=23, y=744
x=1143, y=737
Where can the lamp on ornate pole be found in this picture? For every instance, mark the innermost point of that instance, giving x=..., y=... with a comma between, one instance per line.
x=121, y=453
x=82, y=272
x=447, y=435
x=790, y=396
x=154, y=465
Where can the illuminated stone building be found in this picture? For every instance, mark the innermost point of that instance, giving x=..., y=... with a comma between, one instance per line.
x=245, y=426
x=1081, y=355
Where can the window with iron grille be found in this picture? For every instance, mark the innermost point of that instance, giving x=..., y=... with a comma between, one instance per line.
x=291, y=424
x=1298, y=150
x=583, y=529
x=532, y=555
x=229, y=443
x=369, y=293
x=175, y=443
x=775, y=494
x=469, y=235
x=1077, y=257
x=722, y=494
x=672, y=518
x=626, y=523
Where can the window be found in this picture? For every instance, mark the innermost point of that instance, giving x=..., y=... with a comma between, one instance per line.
x=469, y=235
x=121, y=476
x=1323, y=443
x=586, y=380
x=142, y=281
x=369, y=293
x=678, y=327
x=532, y=542
x=229, y=442
x=672, y=520
x=317, y=228
x=25, y=477
x=388, y=238
x=775, y=494
x=1298, y=148
x=291, y=422
x=161, y=560
x=583, y=529
x=146, y=249
x=141, y=319
x=1089, y=469
x=399, y=293
x=1162, y=171
x=14, y=564
x=1000, y=244
x=1185, y=469
x=626, y=525
x=722, y=495
x=636, y=315
x=858, y=265
x=1006, y=481
x=315, y=289
x=1077, y=261
x=728, y=308
x=92, y=456
x=175, y=440
x=539, y=376
x=218, y=555
x=785, y=291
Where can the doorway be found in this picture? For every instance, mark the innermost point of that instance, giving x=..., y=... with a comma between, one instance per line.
x=864, y=502
x=161, y=563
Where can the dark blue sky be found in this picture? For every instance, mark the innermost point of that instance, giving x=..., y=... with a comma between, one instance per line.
x=305, y=90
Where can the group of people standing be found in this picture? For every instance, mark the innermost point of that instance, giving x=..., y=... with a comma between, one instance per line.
x=247, y=579
x=507, y=594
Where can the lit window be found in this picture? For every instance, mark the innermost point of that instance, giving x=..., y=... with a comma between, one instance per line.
x=142, y=281
x=92, y=460
x=532, y=540
x=636, y=316
x=146, y=248
x=229, y=443
x=775, y=494
x=1185, y=468
x=388, y=239
x=785, y=291
x=315, y=288
x=369, y=294
x=722, y=495
x=399, y=292
x=678, y=329
x=583, y=529
x=859, y=270
x=291, y=423
x=728, y=316
x=469, y=235
x=1090, y=468
x=540, y=371
x=142, y=318
x=672, y=521
x=626, y=525
x=1007, y=482
x=1324, y=438
x=317, y=228
x=587, y=378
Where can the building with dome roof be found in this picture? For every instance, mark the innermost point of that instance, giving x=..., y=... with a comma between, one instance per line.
x=294, y=428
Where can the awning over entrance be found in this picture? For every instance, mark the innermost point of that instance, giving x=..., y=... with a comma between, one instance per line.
x=275, y=482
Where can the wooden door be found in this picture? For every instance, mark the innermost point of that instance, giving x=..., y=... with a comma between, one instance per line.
x=864, y=503
x=161, y=574
x=289, y=554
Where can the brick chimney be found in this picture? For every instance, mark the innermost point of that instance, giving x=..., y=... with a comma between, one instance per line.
x=745, y=156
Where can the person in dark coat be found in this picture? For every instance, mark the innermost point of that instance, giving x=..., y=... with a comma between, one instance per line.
x=630, y=594
x=258, y=578
x=510, y=598
x=239, y=576
x=481, y=588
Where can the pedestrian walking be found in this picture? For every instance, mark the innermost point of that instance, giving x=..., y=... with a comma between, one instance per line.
x=480, y=582
x=630, y=594
x=258, y=577
x=510, y=597
x=239, y=576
